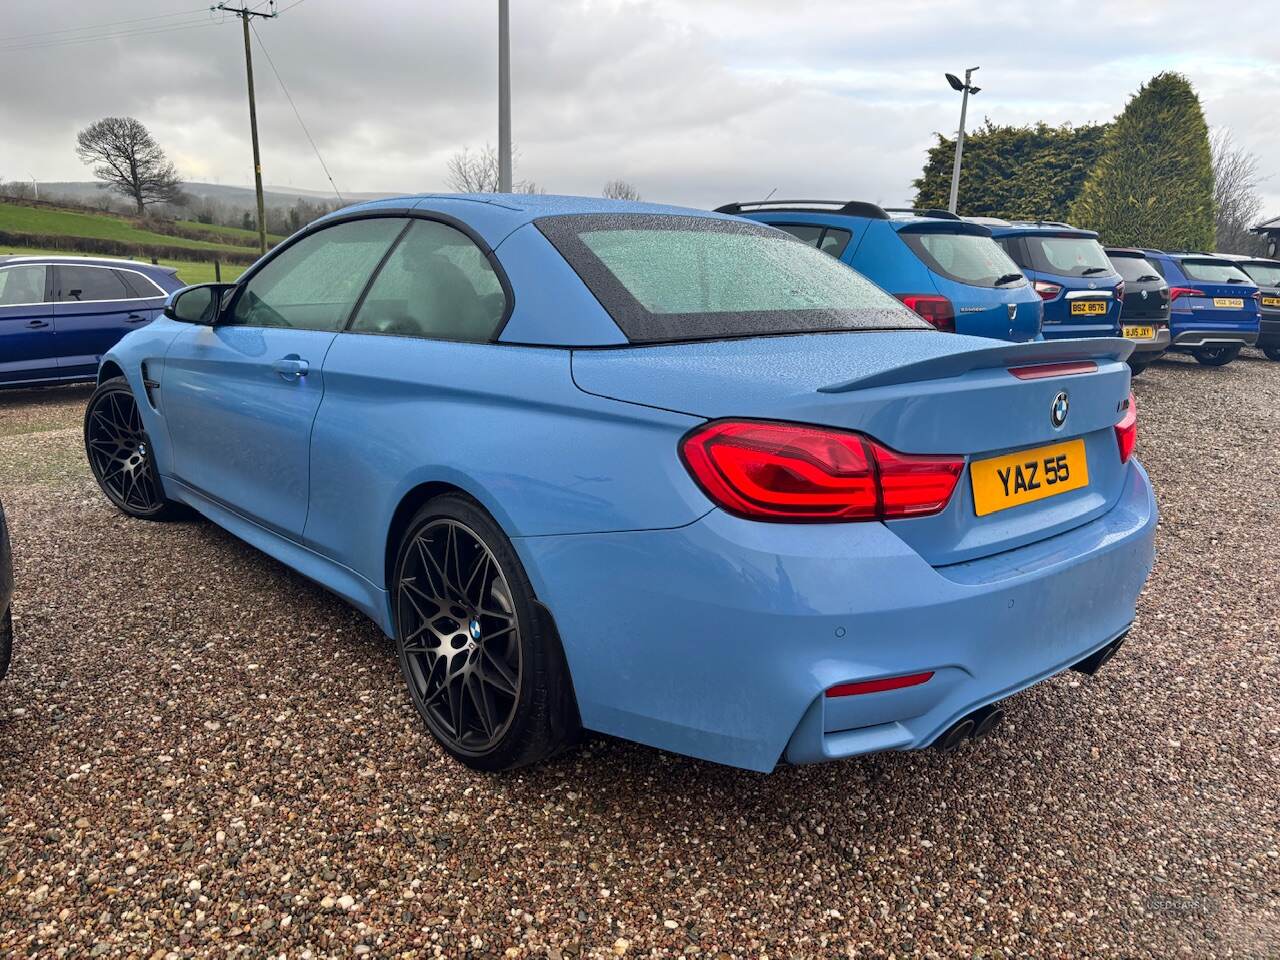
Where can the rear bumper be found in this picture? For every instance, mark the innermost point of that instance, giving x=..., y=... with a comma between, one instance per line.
x=1214, y=338
x=1269, y=336
x=1144, y=351
x=718, y=639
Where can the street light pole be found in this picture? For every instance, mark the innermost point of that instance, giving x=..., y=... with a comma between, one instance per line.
x=968, y=88
x=504, y=98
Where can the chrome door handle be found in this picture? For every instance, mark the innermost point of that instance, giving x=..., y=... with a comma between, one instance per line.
x=291, y=368
x=37, y=324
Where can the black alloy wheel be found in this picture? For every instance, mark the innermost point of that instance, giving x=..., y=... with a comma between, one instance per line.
x=120, y=455
x=1218, y=356
x=1272, y=353
x=483, y=668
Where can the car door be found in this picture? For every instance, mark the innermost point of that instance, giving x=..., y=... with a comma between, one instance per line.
x=27, y=336
x=93, y=308
x=239, y=397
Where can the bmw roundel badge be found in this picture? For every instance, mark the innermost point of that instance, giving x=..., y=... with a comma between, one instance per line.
x=1058, y=412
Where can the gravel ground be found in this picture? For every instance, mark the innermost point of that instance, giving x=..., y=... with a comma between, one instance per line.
x=203, y=754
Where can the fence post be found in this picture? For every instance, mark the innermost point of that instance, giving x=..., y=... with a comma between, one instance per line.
x=155, y=262
x=217, y=271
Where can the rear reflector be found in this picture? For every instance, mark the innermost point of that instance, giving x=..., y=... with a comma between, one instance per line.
x=877, y=686
x=933, y=308
x=1041, y=371
x=1127, y=430
x=787, y=472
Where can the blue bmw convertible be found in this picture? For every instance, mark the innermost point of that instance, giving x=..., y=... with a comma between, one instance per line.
x=659, y=473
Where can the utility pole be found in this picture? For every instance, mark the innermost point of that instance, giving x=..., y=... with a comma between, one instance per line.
x=244, y=13
x=504, y=98
x=968, y=88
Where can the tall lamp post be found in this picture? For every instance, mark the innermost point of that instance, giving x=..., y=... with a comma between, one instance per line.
x=967, y=88
x=504, y=98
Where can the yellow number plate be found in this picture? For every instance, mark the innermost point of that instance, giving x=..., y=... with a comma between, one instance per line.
x=1018, y=478
x=1089, y=308
x=1271, y=301
x=1139, y=333
x=1228, y=302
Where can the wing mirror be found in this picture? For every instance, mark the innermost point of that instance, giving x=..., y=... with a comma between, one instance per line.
x=201, y=303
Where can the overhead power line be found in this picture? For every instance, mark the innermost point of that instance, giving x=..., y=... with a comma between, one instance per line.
x=110, y=25
x=279, y=79
x=117, y=35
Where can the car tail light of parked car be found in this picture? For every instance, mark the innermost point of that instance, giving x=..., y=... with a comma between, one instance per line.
x=788, y=472
x=1176, y=292
x=937, y=310
x=1127, y=430
x=1047, y=290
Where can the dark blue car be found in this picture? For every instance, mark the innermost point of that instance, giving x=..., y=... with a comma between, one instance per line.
x=1214, y=308
x=59, y=315
x=1081, y=290
x=947, y=270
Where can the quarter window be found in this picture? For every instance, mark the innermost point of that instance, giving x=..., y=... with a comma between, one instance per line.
x=314, y=283
x=831, y=240
x=437, y=284
x=88, y=284
x=23, y=284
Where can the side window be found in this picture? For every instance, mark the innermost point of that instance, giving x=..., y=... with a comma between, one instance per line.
x=85, y=284
x=1159, y=265
x=138, y=285
x=23, y=284
x=1017, y=253
x=810, y=235
x=436, y=284
x=314, y=284
x=834, y=241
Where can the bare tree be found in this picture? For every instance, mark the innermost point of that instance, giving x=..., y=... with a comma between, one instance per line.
x=1236, y=202
x=468, y=172
x=620, y=190
x=129, y=161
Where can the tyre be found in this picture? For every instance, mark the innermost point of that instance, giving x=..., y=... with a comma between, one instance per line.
x=1272, y=353
x=1136, y=368
x=1216, y=356
x=6, y=641
x=480, y=657
x=120, y=454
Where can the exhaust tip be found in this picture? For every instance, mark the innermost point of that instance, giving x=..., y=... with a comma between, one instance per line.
x=991, y=717
x=961, y=731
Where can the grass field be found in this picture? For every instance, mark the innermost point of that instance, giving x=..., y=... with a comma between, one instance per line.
x=43, y=221
x=189, y=271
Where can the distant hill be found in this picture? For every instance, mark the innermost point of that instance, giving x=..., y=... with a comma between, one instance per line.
x=86, y=191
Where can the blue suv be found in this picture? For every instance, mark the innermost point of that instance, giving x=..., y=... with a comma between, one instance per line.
x=1082, y=292
x=947, y=270
x=59, y=315
x=1214, y=308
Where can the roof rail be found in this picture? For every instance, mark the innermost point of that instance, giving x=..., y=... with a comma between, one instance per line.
x=853, y=208
x=935, y=212
x=1023, y=222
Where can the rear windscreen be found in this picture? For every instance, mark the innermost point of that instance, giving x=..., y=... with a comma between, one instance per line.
x=667, y=278
x=974, y=260
x=1068, y=256
x=1134, y=269
x=1266, y=274
x=1214, y=271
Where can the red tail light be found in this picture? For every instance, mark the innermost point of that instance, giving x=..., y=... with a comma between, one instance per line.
x=1176, y=292
x=877, y=686
x=935, y=309
x=1040, y=371
x=1120, y=291
x=792, y=473
x=1127, y=430
x=1047, y=290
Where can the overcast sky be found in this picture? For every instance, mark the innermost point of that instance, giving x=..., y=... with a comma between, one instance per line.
x=694, y=102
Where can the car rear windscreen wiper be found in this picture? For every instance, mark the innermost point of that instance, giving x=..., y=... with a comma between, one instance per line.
x=1236, y=280
x=1147, y=276
x=1096, y=270
x=1008, y=278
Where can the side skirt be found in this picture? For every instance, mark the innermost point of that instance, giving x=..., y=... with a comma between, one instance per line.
x=369, y=599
